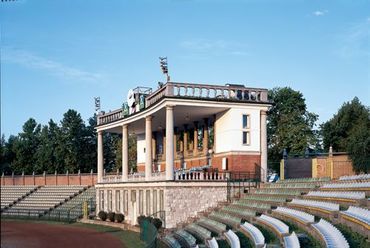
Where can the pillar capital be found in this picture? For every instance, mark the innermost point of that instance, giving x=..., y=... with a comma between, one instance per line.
x=170, y=106
x=148, y=117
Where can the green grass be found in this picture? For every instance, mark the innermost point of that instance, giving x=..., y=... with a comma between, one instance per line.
x=245, y=242
x=270, y=237
x=223, y=243
x=127, y=238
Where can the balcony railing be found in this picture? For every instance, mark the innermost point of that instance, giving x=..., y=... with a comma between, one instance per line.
x=179, y=176
x=194, y=91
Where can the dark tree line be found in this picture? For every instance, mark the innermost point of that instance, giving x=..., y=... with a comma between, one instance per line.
x=70, y=145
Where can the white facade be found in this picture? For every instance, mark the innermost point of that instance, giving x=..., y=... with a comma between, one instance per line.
x=229, y=130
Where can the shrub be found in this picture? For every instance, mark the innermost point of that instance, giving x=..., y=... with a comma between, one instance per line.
x=111, y=216
x=102, y=215
x=140, y=219
x=119, y=217
x=157, y=223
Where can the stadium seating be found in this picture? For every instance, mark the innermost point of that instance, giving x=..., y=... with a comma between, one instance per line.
x=291, y=185
x=185, y=238
x=212, y=243
x=300, y=216
x=355, y=177
x=12, y=194
x=212, y=225
x=269, y=198
x=43, y=199
x=337, y=194
x=254, y=233
x=280, y=227
x=239, y=210
x=304, y=180
x=225, y=218
x=198, y=231
x=291, y=241
x=346, y=185
x=72, y=209
x=323, y=206
x=278, y=191
x=232, y=239
x=330, y=234
x=170, y=241
x=253, y=204
x=360, y=214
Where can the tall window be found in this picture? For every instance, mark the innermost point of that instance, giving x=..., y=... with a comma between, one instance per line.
x=118, y=201
x=246, y=130
x=109, y=200
x=101, y=193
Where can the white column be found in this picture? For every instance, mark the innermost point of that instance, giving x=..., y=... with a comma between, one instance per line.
x=169, y=143
x=148, y=148
x=100, y=156
x=125, y=153
x=263, y=146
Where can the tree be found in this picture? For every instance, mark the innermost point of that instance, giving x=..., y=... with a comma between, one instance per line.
x=25, y=148
x=289, y=124
x=7, y=154
x=349, y=131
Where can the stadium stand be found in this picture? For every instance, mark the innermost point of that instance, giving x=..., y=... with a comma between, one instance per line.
x=232, y=239
x=170, y=241
x=212, y=243
x=225, y=218
x=304, y=180
x=291, y=241
x=212, y=225
x=185, y=239
x=278, y=226
x=43, y=199
x=337, y=195
x=330, y=234
x=13, y=194
x=347, y=186
x=359, y=214
x=198, y=231
x=239, y=211
x=300, y=216
x=355, y=177
x=322, y=206
x=254, y=234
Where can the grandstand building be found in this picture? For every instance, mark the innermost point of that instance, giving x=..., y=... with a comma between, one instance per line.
x=189, y=138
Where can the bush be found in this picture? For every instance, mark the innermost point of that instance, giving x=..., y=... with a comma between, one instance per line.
x=119, y=217
x=140, y=219
x=157, y=223
x=102, y=215
x=111, y=216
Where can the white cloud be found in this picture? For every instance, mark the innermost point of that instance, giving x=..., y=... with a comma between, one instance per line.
x=214, y=47
x=320, y=12
x=30, y=60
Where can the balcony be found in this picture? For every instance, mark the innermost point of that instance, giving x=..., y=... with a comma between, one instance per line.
x=227, y=93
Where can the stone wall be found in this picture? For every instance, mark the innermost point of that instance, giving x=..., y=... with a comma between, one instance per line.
x=179, y=200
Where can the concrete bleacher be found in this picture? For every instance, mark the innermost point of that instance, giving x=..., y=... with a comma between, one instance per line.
x=185, y=239
x=43, y=199
x=13, y=194
x=314, y=206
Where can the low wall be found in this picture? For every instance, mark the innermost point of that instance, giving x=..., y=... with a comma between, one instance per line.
x=179, y=200
x=51, y=179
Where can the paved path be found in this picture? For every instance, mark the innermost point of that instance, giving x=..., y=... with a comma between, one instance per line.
x=16, y=234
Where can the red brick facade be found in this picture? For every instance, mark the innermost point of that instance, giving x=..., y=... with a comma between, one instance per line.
x=72, y=179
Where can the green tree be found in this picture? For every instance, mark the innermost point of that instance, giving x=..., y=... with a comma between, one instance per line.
x=25, y=148
x=7, y=154
x=289, y=124
x=349, y=131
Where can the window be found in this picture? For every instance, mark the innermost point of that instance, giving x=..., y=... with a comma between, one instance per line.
x=246, y=130
x=109, y=200
x=101, y=207
x=118, y=201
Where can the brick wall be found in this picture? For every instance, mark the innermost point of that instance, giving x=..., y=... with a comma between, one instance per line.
x=50, y=179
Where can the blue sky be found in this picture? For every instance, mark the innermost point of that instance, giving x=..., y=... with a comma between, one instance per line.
x=58, y=55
